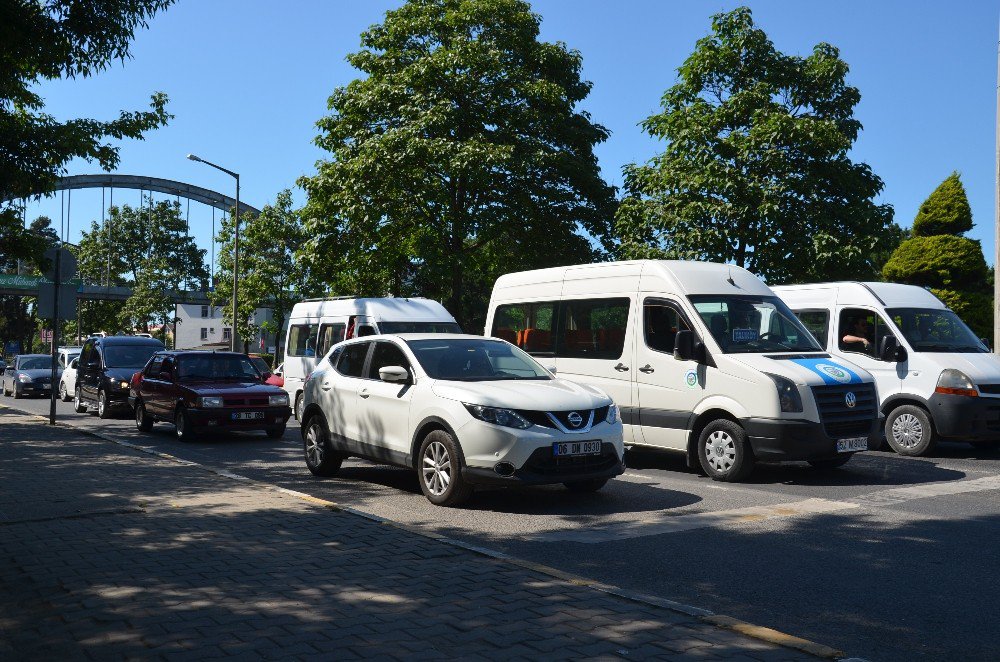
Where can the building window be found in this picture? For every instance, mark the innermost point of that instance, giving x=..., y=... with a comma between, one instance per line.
x=204, y=311
x=227, y=334
x=204, y=333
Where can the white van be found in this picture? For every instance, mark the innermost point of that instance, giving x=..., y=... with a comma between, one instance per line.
x=935, y=378
x=701, y=358
x=316, y=325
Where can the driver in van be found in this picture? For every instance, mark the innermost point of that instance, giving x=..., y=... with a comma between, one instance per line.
x=859, y=336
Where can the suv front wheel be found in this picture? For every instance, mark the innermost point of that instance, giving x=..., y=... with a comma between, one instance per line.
x=321, y=459
x=439, y=466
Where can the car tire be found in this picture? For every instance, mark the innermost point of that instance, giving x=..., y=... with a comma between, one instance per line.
x=183, y=427
x=591, y=485
x=299, y=401
x=103, y=406
x=276, y=432
x=832, y=463
x=63, y=396
x=724, y=451
x=321, y=459
x=17, y=394
x=439, y=470
x=909, y=430
x=78, y=405
x=143, y=421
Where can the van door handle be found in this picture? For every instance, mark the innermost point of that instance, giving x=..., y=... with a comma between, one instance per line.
x=621, y=367
x=647, y=369
x=364, y=393
x=326, y=386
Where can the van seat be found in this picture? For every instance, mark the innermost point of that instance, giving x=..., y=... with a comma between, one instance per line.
x=580, y=340
x=537, y=340
x=510, y=335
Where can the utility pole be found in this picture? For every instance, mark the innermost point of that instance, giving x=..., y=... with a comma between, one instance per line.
x=996, y=217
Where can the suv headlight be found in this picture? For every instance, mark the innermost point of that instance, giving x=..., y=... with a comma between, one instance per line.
x=612, y=416
x=210, y=402
x=278, y=400
x=505, y=417
x=788, y=393
x=955, y=382
x=23, y=378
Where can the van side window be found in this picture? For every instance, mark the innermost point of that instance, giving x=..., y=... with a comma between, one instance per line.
x=859, y=331
x=352, y=359
x=661, y=322
x=593, y=328
x=527, y=325
x=302, y=340
x=329, y=335
x=817, y=322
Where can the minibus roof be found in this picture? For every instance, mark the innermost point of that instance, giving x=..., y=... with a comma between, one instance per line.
x=888, y=295
x=390, y=309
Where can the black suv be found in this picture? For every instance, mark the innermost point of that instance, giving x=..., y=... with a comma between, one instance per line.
x=105, y=368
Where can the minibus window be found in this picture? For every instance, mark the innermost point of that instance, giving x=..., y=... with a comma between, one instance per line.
x=860, y=331
x=330, y=335
x=751, y=324
x=661, y=322
x=527, y=325
x=593, y=328
x=302, y=340
x=935, y=330
x=816, y=321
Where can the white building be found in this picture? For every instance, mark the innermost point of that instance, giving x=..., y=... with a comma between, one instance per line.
x=199, y=326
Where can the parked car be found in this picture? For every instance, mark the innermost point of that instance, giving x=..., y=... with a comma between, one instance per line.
x=462, y=411
x=105, y=368
x=936, y=379
x=206, y=391
x=3, y=365
x=316, y=325
x=28, y=374
x=703, y=358
x=272, y=378
x=67, y=382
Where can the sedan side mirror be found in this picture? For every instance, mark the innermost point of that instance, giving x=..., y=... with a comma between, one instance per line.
x=393, y=373
x=684, y=345
x=891, y=351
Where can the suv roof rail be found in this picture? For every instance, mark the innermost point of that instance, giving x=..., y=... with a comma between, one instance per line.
x=340, y=298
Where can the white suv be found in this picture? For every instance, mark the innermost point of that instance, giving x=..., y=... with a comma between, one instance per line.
x=460, y=410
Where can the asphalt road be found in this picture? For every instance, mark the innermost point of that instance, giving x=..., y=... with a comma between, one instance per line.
x=888, y=558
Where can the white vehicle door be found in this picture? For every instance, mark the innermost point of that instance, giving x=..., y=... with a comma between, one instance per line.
x=383, y=408
x=667, y=390
x=337, y=392
x=859, y=332
x=300, y=356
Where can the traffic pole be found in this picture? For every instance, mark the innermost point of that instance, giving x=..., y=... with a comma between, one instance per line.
x=55, y=337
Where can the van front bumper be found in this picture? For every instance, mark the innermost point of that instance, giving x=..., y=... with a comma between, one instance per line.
x=962, y=418
x=778, y=440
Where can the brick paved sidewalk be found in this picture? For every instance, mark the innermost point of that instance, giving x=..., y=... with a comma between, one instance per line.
x=108, y=553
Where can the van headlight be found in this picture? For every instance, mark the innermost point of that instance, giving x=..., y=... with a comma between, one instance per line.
x=788, y=393
x=210, y=402
x=497, y=416
x=955, y=382
x=613, y=414
x=278, y=400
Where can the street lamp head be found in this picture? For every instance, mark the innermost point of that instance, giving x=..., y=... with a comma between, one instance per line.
x=193, y=157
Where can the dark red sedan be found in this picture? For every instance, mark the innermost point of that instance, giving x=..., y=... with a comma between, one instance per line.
x=204, y=391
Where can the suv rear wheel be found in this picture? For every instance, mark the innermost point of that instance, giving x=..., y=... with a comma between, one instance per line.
x=439, y=466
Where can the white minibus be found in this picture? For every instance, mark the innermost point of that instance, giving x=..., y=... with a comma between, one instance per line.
x=936, y=379
x=315, y=325
x=701, y=358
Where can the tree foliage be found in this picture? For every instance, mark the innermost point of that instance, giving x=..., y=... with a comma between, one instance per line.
x=459, y=155
x=939, y=258
x=756, y=169
x=50, y=39
x=270, y=274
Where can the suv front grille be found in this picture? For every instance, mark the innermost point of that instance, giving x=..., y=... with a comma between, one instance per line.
x=541, y=417
x=837, y=418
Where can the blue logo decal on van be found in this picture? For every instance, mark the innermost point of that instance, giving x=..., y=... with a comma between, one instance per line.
x=832, y=373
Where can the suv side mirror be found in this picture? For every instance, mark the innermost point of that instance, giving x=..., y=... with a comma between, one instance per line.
x=684, y=345
x=890, y=350
x=74, y=363
x=393, y=373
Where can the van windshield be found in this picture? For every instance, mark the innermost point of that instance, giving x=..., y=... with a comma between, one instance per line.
x=753, y=324
x=468, y=360
x=419, y=327
x=935, y=330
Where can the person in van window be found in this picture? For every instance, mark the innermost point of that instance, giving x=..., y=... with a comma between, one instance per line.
x=859, y=335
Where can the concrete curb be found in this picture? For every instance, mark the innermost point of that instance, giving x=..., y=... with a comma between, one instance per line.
x=768, y=635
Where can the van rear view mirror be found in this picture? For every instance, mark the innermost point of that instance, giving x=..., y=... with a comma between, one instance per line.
x=684, y=345
x=890, y=350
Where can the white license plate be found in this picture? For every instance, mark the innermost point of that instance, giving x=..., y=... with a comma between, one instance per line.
x=852, y=444
x=560, y=449
x=248, y=416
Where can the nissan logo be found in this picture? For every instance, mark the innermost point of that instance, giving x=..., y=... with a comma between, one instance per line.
x=850, y=400
x=575, y=420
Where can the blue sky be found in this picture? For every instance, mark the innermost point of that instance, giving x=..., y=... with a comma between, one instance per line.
x=247, y=80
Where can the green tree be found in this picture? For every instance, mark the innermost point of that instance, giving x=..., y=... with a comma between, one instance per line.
x=458, y=156
x=271, y=276
x=756, y=170
x=46, y=40
x=938, y=257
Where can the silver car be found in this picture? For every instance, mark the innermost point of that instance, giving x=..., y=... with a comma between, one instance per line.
x=29, y=374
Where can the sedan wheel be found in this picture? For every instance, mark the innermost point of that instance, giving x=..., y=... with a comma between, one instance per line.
x=78, y=405
x=440, y=470
x=143, y=422
x=63, y=396
x=182, y=423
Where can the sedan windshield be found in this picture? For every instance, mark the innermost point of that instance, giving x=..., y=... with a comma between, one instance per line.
x=419, y=327
x=35, y=363
x=753, y=324
x=930, y=330
x=474, y=360
x=128, y=356
x=216, y=367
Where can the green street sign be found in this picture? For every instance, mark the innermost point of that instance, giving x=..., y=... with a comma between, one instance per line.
x=21, y=282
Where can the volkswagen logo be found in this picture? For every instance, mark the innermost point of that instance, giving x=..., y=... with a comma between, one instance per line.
x=850, y=400
x=575, y=420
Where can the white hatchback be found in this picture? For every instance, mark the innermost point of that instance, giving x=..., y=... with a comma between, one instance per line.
x=462, y=411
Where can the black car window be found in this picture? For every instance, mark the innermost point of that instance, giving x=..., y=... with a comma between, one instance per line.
x=153, y=369
x=34, y=363
x=128, y=356
x=352, y=360
x=386, y=354
x=167, y=369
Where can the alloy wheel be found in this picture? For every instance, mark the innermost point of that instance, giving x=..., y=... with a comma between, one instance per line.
x=314, y=444
x=720, y=451
x=436, y=468
x=907, y=430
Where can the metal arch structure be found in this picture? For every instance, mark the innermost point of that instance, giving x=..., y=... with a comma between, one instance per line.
x=168, y=186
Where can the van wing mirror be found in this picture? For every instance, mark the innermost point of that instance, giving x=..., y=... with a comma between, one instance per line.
x=684, y=345
x=890, y=350
x=393, y=373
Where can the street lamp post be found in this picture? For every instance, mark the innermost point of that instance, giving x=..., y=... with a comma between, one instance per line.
x=236, y=245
